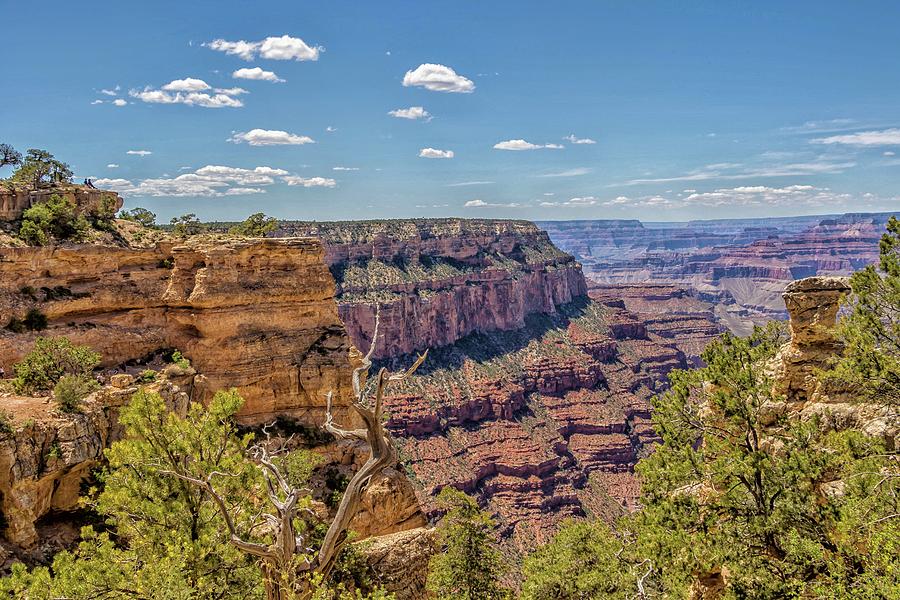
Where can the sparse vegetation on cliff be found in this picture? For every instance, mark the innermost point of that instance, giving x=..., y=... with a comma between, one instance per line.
x=40, y=168
x=256, y=225
x=51, y=359
x=55, y=219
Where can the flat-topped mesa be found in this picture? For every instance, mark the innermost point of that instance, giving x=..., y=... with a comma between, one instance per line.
x=812, y=304
x=15, y=200
x=438, y=280
x=255, y=314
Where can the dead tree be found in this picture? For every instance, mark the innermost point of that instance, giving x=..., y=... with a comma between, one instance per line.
x=291, y=569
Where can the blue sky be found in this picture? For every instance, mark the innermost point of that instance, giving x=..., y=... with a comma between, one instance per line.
x=706, y=109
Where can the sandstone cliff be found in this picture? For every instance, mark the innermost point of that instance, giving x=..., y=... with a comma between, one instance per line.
x=255, y=314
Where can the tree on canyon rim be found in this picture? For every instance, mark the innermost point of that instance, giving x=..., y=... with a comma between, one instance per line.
x=196, y=511
x=871, y=331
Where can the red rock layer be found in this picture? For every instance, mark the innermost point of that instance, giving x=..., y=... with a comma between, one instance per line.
x=541, y=424
x=438, y=280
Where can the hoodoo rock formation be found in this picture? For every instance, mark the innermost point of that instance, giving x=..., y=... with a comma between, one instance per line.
x=255, y=314
x=813, y=305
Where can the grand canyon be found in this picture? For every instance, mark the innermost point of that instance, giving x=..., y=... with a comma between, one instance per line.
x=491, y=301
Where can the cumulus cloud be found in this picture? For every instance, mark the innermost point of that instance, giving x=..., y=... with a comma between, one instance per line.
x=218, y=99
x=518, y=145
x=478, y=203
x=112, y=166
x=310, y=181
x=257, y=74
x=112, y=92
x=270, y=137
x=208, y=181
x=435, y=153
x=884, y=137
x=412, y=113
x=97, y=102
x=284, y=47
x=888, y=153
x=438, y=78
x=188, y=84
x=571, y=137
x=119, y=102
x=330, y=129
x=140, y=152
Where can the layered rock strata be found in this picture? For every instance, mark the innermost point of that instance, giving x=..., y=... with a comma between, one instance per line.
x=255, y=314
x=437, y=280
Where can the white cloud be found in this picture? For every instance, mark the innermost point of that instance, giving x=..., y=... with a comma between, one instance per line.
x=140, y=152
x=274, y=48
x=884, y=137
x=310, y=181
x=571, y=137
x=217, y=100
x=257, y=74
x=113, y=185
x=112, y=92
x=345, y=168
x=112, y=166
x=207, y=181
x=888, y=153
x=574, y=202
x=435, y=153
x=518, y=145
x=477, y=203
x=568, y=173
x=97, y=102
x=270, y=137
x=330, y=129
x=438, y=78
x=412, y=113
x=189, y=84
x=119, y=102
x=467, y=183
x=233, y=91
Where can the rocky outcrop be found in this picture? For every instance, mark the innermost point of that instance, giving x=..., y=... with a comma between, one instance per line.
x=15, y=200
x=813, y=304
x=44, y=462
x=438, y=280
x=255, y=314
x=400, y=561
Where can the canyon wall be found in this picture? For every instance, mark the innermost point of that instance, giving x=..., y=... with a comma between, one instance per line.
x=742, y=265
x=534, y=397
x=438, y=280
x=255, y=314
